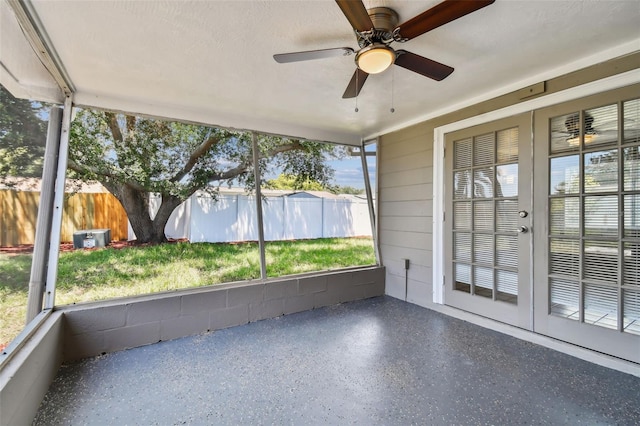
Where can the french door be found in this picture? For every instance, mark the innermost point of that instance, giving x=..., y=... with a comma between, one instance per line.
x=544, y=234
x=488, y=218
x=587, y=248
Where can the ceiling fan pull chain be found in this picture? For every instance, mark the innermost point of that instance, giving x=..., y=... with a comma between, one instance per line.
x=393, y=79
x=357, y=91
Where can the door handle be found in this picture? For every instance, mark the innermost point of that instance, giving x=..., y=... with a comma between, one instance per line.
x=522, y=229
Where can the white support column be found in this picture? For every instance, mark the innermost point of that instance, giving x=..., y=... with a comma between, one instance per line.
x=372, y=213
x=37, y=278
x=257, y=178
x=56, y=220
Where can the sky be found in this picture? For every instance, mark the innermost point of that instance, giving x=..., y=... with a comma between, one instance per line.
x=348, y=172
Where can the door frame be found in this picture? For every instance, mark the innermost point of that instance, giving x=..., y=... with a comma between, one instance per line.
x=592, y=88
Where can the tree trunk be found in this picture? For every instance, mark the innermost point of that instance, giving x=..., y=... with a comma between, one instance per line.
x=136, y=203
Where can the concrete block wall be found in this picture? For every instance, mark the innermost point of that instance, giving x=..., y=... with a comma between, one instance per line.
x=102, y=327
x=26, y=376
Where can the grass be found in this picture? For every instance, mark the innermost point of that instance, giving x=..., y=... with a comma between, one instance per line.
x=89, y=275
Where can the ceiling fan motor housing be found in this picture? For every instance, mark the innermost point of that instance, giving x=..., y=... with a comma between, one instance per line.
x=384, y=22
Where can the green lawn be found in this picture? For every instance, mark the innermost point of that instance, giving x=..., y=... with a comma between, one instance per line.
x=86, y=275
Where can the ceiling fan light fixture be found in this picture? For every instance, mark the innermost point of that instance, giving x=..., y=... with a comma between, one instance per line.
x=375, y=58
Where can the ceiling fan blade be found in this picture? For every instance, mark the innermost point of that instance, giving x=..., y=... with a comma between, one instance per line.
x=421, y=65
x=447, y=11
x=283, y=58
x=355, y=85
x=356, y=13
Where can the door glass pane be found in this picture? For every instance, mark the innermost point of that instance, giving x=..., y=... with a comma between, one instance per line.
x=462, y=277
x=506, y=215
x=483, y=149
x=507, y=286
x=507, y=250
x=601, y=306
x=565, y=216
x=462, y=150
x=565, y=132
x=462, y=184
x=483, y=249
x=631, y=309
x=632, y=168
x=564, y=257
x=565, y=175
x=631, y=273
x=632, y=216
x=601, y=125
x=483, y=216
x=483, y=183
x=507, y=180
x=631, y=111
x=565, y=295
x=601, y=261
x=508, y=145
x=601, y=171
x=462, y=246
x=462, y=215
x=600, y=217
x=483, y=281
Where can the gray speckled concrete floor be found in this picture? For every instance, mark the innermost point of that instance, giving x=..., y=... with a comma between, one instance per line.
x=378, y=361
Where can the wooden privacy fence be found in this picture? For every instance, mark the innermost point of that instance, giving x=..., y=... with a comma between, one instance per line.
x=19, y=211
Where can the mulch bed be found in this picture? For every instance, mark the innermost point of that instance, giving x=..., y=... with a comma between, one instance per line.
x=28, y=248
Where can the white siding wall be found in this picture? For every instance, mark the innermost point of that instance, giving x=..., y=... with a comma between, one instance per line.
x=405, y=212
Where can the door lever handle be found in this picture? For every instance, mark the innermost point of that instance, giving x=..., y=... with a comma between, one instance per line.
x=522, y=229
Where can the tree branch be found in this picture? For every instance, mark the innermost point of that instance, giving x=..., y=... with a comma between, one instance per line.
x=195, y=155
x=244, y=166
x=114, y=127
x=131, y=125
x=102, y=173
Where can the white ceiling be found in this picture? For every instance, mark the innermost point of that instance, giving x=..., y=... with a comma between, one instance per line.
x=211, y=61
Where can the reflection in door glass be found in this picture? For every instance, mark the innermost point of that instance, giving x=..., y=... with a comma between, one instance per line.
x=483, y=183
x=507, y=180
x=565, y=132
x=631, y=121
x=601, y=306
x=632, y=216
x=598, y=218
x=565, y=175
x=564, y=215
x=589, y=266
x=564, y=257
x=564, y=298
x=600, y=125
x=601, y=171
x=632, y=168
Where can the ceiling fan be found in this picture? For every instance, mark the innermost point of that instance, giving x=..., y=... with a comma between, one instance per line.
x=377, y=28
